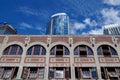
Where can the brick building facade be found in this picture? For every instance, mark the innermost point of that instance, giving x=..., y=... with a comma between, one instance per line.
x=46, y=57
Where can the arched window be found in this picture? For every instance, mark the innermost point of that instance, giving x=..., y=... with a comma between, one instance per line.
x=83, y=51
x=13, y=50
x=36, y=50
x=106, y=50
x=59, y=50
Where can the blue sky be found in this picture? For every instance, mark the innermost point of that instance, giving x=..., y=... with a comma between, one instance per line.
x=86, y=16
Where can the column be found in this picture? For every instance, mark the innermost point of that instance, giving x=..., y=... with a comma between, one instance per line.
x=19, y=73
x=97, y=63
x=47, y=58
x=72, y=59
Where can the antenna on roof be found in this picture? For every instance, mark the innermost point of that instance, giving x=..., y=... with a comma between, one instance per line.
x=4, y=23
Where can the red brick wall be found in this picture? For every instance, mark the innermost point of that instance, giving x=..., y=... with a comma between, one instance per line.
x=103, y=39
x=17, y=38
x=1, y=39
x=60, y=39
x=82, y=38
x=38, y=38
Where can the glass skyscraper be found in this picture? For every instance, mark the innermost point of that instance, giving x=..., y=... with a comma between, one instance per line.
x=58, y=24
x=7, y=30
x=113, y=29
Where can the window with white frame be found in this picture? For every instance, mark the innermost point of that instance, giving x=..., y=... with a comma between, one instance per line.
x=33, y=73
x=59, y=73
x=85, y=73
x=83, y=51
x=106, y=51
x=8, y=72
x=59, y=51
x=36, y=50
x=13, y=50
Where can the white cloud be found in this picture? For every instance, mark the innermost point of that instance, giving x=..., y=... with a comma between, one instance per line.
x=94, y=32
x=89, y=22
x=25, y=26
x=79, y=26
x=73, y=31
x=112, y=2
x=110, y=16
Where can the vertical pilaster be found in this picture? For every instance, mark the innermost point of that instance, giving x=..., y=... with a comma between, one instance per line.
x=3, y=45
x=19, y=73
x=47, y=58
x=47, y=66
x=20, y=69
x=97, y=63
x=71, y=58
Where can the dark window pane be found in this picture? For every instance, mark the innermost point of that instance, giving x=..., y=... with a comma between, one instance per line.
x=67, y=72
x=59, y=50
x=6, y=51
x=59, y=53
x=118, y=70
x=76, y=51
x=113, y=51
x=29, y=52
x=7, y=73
x=51, y=73
x=43, y=51
x=66, y=51
x=41, y=72
x=99, y=51
x=14, y=50
x=33, y=73
x=106, y=51
x=52, y=51
x=36, y=50
x=77, y=72
x=1, y=71
x=94, y=73
x=84, y=50
x=83, y=53
x=86, y=74
x=20, y=51
x=90, y=52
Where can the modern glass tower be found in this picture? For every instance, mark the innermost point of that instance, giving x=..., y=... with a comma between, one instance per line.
x=113, y=29
x=58, y=24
